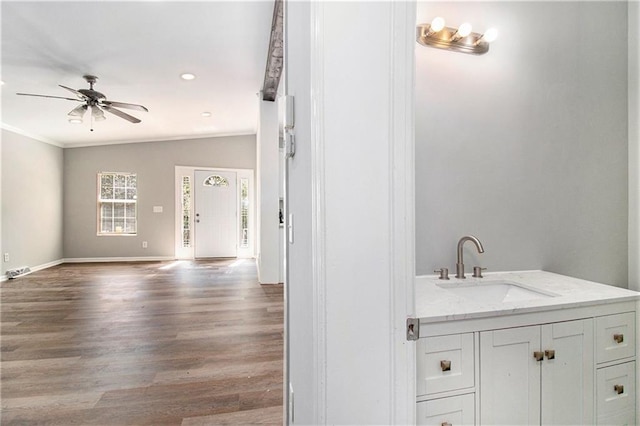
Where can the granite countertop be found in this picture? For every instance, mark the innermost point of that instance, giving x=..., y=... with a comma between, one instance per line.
x=435, y=304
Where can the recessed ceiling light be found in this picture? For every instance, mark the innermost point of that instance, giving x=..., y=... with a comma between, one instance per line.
x=75, y=121
x=206, y=114
x=187, y=76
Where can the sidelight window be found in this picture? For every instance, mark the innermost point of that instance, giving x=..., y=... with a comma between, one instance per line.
x=186, y=211
x=244, y=212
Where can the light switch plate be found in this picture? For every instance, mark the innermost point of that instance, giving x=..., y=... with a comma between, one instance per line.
x=157, y=209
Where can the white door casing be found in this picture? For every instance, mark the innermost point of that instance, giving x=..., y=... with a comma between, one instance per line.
x=352, y=173
x=216, y=220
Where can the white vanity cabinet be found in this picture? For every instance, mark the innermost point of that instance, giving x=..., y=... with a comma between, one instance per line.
x=556, y=367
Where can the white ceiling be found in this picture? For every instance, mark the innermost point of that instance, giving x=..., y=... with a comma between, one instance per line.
x=138, y=51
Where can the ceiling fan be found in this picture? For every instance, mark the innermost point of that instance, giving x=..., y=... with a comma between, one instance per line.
x=96, y=101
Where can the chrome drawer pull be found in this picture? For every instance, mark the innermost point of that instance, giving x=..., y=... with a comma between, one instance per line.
x=550, y=354
x=619, y=338
x=619, y=389
x=445, y=365
x=539, y=356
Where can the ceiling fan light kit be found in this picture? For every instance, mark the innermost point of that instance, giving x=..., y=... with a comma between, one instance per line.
x=96, y=101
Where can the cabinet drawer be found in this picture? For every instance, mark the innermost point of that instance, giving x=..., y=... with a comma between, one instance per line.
x=615, y=337
x=454, y=411
x=445, y=363
x=626, y=418
x=615, y=389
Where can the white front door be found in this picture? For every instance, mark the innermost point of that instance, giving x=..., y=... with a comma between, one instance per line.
x=216, y=219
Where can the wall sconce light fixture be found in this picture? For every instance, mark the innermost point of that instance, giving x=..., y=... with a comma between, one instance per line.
x=460, y=39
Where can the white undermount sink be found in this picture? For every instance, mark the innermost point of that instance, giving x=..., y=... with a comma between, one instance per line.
x=495, y=291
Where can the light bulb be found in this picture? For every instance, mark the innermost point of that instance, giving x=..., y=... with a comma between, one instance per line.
x=490, y=35
x=464, y=30
x=187, y=76
x=437, y=24
x=75, y=120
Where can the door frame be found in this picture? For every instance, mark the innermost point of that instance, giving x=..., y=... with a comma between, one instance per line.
x=188, y=253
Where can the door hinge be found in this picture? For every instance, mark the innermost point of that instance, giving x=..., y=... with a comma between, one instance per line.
x=413, y=328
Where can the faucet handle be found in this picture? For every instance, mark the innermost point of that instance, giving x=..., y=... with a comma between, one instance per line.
x=444, y=273
x=477, y=271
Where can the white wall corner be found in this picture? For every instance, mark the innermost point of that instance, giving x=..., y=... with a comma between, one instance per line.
x=268, y=194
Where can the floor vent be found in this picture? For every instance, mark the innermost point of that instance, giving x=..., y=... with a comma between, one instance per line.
x=12, y=273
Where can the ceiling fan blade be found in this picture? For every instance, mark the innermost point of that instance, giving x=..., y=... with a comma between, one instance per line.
x=121, y=114
x=48, y=96
x=124, y=105
x=78, y=111
x=97, y=113
x=80, y=95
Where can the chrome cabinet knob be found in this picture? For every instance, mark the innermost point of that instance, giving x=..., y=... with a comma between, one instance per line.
x=619, y=389
x=538, y=355
x=619, y=338
x=445, y=365
x=550, y=354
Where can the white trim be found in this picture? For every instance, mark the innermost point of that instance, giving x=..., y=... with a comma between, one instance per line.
x=120, y=142
x=166, y=139
x=318, y=209
x=402, y=242
x=31, y=135
x=47, y=265
x=36, y=268
x=117, y=259
x=634, y=145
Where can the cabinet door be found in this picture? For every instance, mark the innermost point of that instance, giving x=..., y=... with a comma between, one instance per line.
x=510, y=376
x=567, y=373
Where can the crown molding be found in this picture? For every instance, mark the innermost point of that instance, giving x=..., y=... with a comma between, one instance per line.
x=120, y=142
x=31, y=135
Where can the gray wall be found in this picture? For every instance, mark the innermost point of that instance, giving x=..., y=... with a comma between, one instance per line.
x=31, y=201
x=526, y=146
x=154, y=164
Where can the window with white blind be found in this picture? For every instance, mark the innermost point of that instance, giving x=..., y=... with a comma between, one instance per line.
x=117, y=203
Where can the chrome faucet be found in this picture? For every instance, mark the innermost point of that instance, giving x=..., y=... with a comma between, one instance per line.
x=459, y=262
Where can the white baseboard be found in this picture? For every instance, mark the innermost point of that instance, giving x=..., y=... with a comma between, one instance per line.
x=4, y=278
x=117, y=259
x=36, y=268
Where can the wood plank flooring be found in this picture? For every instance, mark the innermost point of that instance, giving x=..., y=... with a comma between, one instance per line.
x=155, y=343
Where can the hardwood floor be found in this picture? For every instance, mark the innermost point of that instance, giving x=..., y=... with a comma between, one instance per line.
x=158, y=343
